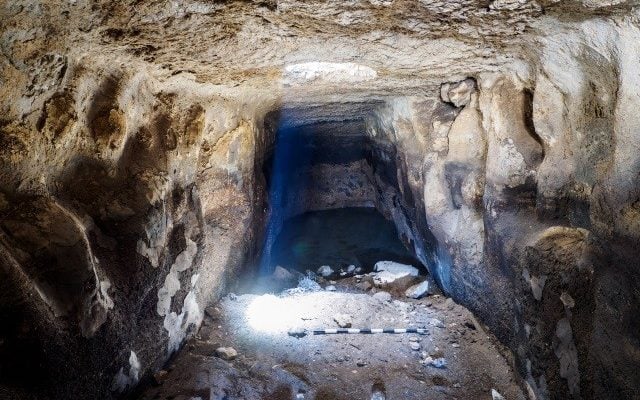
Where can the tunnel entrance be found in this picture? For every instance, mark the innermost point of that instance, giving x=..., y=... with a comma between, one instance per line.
x=322, y=197
x=342, y=306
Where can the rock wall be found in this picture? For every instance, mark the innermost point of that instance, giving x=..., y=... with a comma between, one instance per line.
x=126, y=204
x=513, y=190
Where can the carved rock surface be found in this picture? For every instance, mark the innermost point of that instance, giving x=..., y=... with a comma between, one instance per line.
x=501, y=137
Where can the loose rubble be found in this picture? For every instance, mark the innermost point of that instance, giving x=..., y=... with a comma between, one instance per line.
x=402, y=366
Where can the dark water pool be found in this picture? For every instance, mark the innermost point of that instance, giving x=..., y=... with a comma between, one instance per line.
x=340, y=237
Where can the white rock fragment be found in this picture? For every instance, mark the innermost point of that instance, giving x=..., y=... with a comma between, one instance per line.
x=418, y=291
x=325, y=271
x=495, y=395
x=387, y=272
x=330, y=288
x=439, y=363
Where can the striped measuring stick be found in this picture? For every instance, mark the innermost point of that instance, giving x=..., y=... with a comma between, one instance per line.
x=333, y=331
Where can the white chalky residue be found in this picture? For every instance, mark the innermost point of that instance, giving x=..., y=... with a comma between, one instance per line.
x=105, y=285
x=123, y=381
x=565, y=349
x=156, y=229
x=177, y=324
x=536, y=283
x=171, y=283
x=194, y=280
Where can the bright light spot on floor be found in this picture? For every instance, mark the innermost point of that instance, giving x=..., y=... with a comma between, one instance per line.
x=269, y=313
x=273, y=314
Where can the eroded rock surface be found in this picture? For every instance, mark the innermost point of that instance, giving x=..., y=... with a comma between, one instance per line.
x=501, y=137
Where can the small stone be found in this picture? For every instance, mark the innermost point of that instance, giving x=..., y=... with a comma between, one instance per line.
x=437, y=323
x=226, y=353
x=330, y=288
x=417, y=291
x=439, y=363
x=212, y=312
x=567, y=300
x=325, y=271
x=457, y=385
x=382, y=296
x=361, y=363
x=495, y=395
x=414, y=339
x=343, y=320
x=351, y=269
x=456, y=345
x=160, y=376
x=415, y=346
x=297, y=332
x=449, y=304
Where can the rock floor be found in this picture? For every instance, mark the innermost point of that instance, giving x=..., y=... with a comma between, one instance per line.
x=274, y=365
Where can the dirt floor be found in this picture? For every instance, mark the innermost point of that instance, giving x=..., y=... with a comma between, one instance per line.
x=270, y=364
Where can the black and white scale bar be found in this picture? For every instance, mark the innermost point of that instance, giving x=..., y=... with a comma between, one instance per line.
x=368, y=330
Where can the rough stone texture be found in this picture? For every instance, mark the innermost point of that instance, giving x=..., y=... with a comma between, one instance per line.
x=501, y=137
